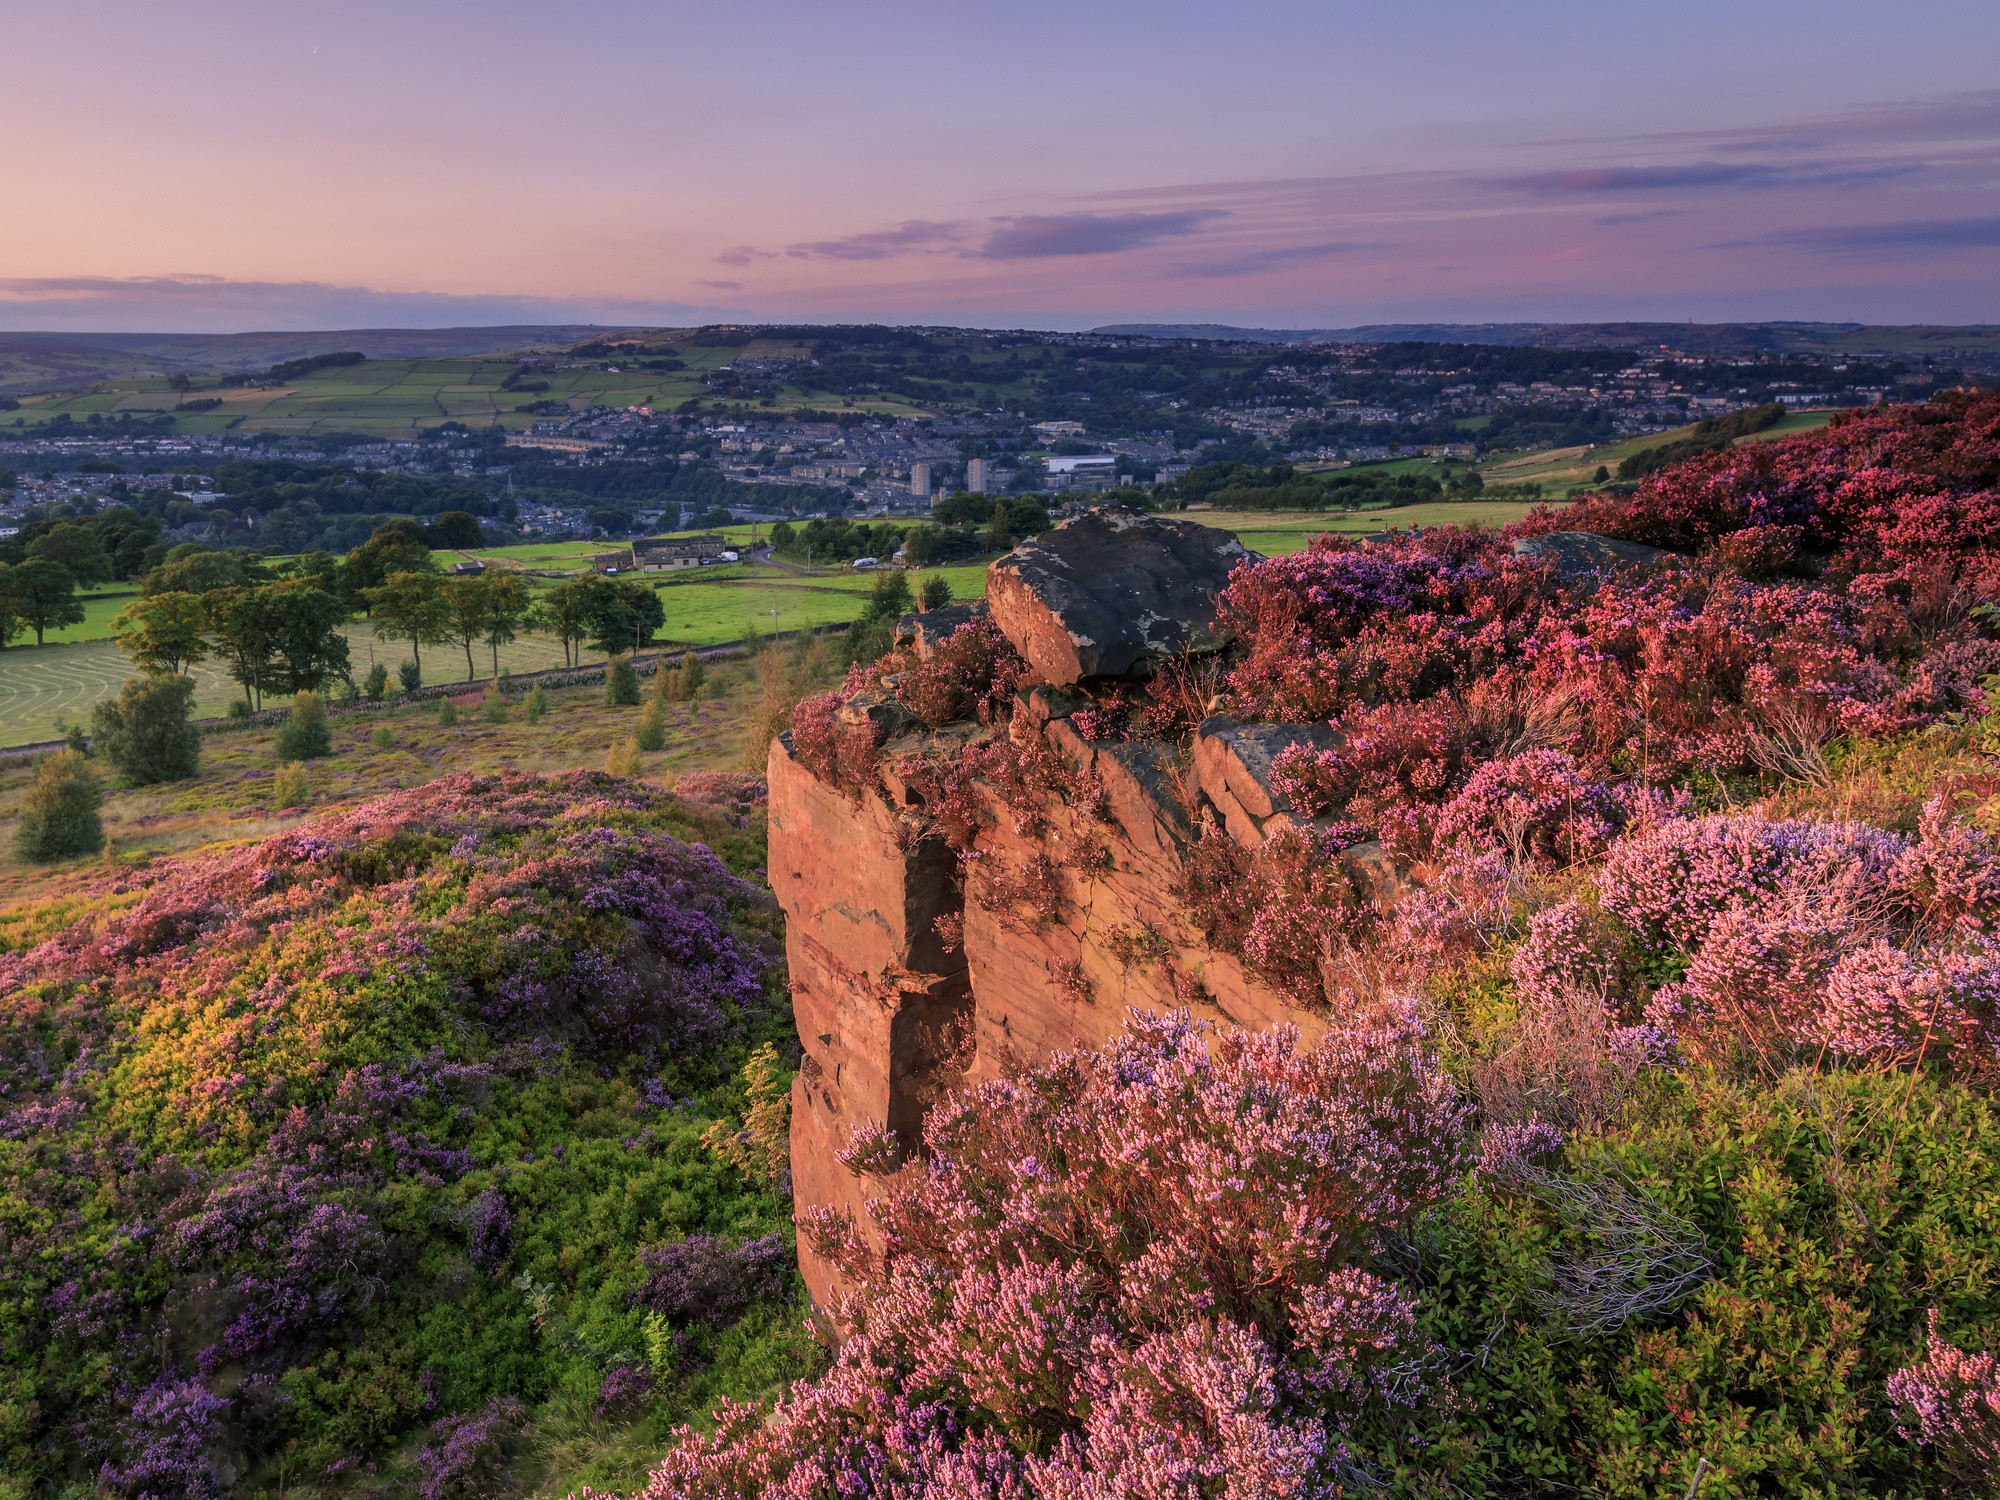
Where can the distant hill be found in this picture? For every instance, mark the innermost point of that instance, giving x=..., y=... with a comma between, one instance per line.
x=34, y=362
x=1690, y=338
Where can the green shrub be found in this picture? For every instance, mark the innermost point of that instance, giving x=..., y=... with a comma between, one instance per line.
x=377, y=681
x=937, y=591
x=653, y=726
x=683, y=683
x=292, y=787
x=304, y=735
x=621, y=682
x=347, y=695
x=411, y=676
x=147, y=733
x=384, y=737
x=238, y=709
x=59, y=817
x=447, y=713
x=537, y=705
x=74, y=736
x=494, y=708
x=622, y=759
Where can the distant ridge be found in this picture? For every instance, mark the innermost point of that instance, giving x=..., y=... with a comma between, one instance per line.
x=1693, y=338
x=32, y=362
x=248, y=350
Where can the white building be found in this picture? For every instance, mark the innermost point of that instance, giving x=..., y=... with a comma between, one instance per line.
x=920, y=481
x=1095, y=471
x=979, y=476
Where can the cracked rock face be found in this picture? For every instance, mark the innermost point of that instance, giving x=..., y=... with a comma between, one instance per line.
x=1110, y=589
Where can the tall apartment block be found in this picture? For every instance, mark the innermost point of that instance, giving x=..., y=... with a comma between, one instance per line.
x=979, y=475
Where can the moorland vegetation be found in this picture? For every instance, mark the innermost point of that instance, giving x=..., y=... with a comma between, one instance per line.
x=1650, y=1147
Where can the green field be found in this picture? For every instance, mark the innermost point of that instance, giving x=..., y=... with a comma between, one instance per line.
x=1276, y=533
x=1570, y=468
x=396, y=397
x=38, y=686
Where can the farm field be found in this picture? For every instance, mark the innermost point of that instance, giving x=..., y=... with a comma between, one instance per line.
x=39, y=686
x=397, y=397
x=1562, y=468
x=1276, y=533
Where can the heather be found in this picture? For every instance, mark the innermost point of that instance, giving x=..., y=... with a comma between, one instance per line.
x=1639, y=1141
x=342, y=1159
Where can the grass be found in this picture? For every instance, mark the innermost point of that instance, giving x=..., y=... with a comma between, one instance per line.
x=1276, y=533
x=395, y=397
x=1571, y=468
x=229, y=798
x=83, y=666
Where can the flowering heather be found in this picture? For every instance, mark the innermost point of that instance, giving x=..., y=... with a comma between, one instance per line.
x=1143, y=1270
x=1876, y=490
x=278, y=1123
x=1953, y=1401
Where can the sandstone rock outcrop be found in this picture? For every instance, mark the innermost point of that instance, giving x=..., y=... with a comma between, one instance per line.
x=889, y=1015
x=1109, y=589
x=1577, y=554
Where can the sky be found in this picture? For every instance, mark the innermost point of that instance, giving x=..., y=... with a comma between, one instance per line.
x=225, y=167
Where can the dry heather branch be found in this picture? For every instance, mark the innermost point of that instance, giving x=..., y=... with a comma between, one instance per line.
x=1514, y=719
x=1559, y=1064
x=1790, y=740
x=1647, y=1259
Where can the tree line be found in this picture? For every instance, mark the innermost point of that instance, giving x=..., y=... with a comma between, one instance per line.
x=278, y=630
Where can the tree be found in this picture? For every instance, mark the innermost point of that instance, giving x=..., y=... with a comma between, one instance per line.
x=410, y=606
x=192, y=568
x=147, y=733
x=920, y=546
x=308, y=647
x=937, y=592
x=242, y=623
x=507, y=606
x=566, y=612
x=163, y=632
x=43, y=593
x=457, y=528
x=59, y=817
x=77, y=548
x=624, y=615
x=466, y=612
x=397, y=547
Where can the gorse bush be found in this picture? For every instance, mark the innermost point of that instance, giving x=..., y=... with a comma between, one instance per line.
x=304, y=735
x=59, y=816
x=282, y=1130
x=148, y=733
x=447, y=713
x=535, y=704
x=376, y=684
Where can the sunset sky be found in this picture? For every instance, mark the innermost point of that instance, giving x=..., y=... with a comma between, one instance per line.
x=214, y=167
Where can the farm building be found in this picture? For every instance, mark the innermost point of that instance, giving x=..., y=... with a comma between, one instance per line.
x=660, y=554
